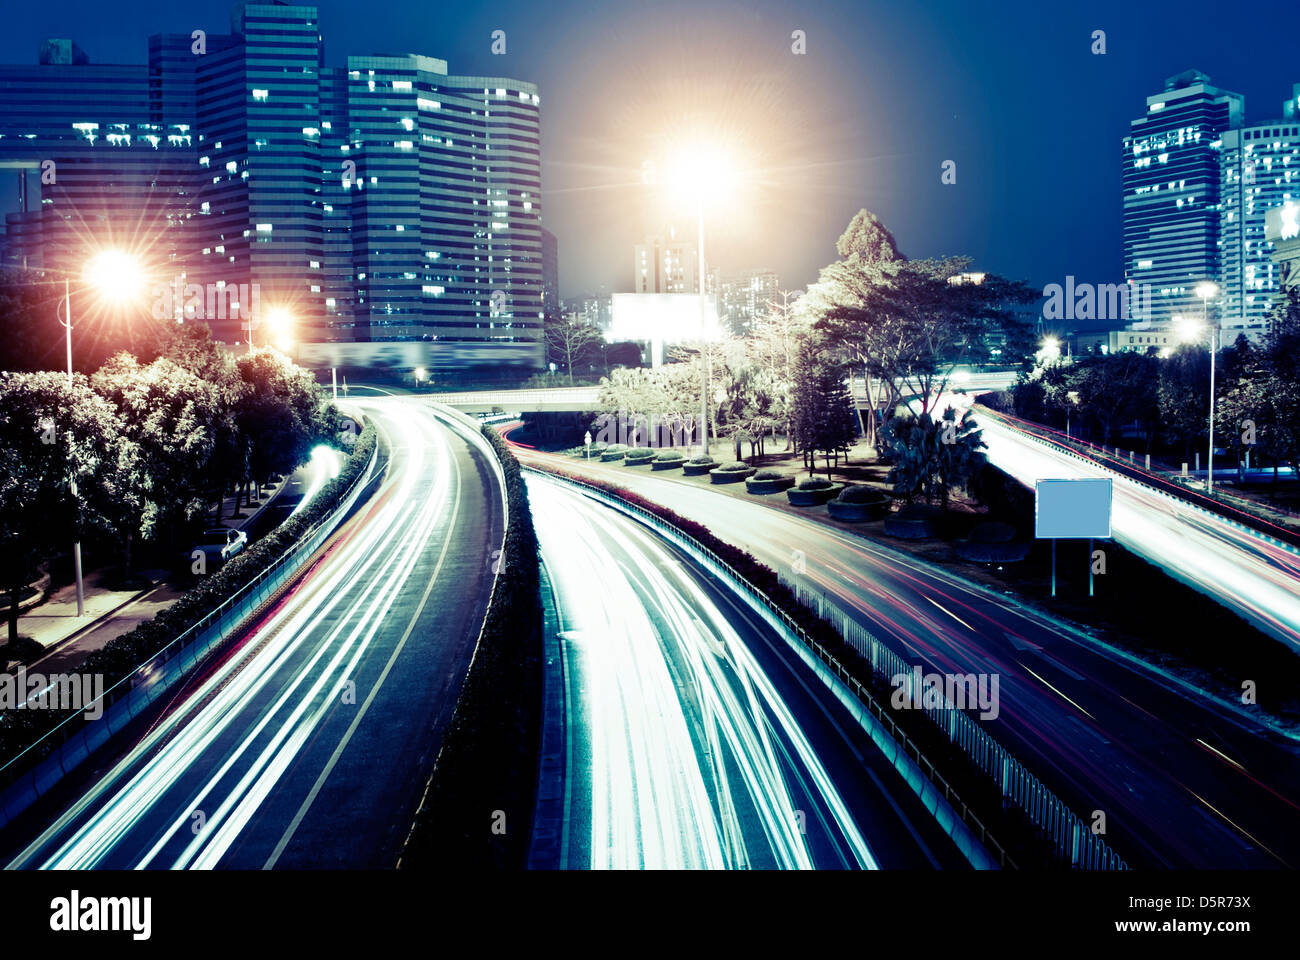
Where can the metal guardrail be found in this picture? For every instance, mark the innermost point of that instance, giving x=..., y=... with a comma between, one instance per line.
x=1073, y=840
x=67, y=745
x=1155, y=483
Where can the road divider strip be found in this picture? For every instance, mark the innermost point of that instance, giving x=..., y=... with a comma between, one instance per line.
x=478, y=804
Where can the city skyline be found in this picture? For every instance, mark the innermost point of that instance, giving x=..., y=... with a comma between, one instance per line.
x=824, y=148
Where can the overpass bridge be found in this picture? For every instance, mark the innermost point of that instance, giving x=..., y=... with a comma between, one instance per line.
x=577, y=399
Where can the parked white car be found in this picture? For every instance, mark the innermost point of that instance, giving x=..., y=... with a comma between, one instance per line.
x=224, y=540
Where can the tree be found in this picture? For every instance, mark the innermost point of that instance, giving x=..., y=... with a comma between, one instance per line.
x=933, y=457
x=822, y=415
x=167, y=418
x=1259, y=410
x=1183, y=396
x=191, y=347
x=282, y=415
x=51, y=433
x=911, y=322
x=571, y=341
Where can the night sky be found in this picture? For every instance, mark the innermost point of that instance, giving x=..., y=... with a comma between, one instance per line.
x=885, y=94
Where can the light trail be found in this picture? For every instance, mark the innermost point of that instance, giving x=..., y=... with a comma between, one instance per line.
x=1258, y=580
x=696, y=762
x=188, y=794
x=1130, y=752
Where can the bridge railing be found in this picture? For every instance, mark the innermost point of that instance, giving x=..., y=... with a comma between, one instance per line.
x=1074, y=840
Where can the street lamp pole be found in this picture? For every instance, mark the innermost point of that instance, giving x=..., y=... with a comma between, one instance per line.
x=704, y=350
x=1205, y=291
x=1214, y=349
x=76, y=546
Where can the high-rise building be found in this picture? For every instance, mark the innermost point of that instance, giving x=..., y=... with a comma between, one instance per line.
x=744, y=297
x=550, y=274
x=383, y=200
x=1171, y=191
x=97, y=158
x=665, y=265
x=1260, y=171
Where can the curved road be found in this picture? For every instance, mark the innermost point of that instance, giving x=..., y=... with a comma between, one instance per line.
x=695, y=738
x=309, y=745
x=1256, y=579
x=1183, y=781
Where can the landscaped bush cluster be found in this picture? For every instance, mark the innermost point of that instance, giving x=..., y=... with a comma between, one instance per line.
x=816, y=483
x=489, y=756
x=639, y=455
x=768, y=474
x=121, y=655
x=861, y=493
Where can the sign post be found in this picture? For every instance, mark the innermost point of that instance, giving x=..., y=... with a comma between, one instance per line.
x=1073, y=510
x=587, y=442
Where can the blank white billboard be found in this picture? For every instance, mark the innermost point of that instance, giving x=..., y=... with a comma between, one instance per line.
x=1073, y=509
x=662, y=318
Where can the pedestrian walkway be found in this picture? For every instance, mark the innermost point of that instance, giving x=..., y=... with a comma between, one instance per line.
x=68, y=639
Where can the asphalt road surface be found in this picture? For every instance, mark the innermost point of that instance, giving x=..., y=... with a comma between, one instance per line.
x=1183, y=781
x=696, y=738
x=310, y=745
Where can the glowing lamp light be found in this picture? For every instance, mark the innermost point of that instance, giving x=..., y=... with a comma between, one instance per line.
x=280, y=322
x=1188, y=331
x=1205, y=289
x=700, y=172
x=115, y=275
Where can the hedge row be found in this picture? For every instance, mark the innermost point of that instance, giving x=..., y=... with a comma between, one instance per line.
x=121, y=655
x=485, y=778
x=1024, y=844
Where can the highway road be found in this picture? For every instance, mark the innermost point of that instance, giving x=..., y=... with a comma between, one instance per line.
x=695, y=738
x=309, y=744
x=1182, y=780
x=1258, y=580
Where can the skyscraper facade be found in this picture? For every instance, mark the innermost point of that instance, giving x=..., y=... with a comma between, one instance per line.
x=1259, y=171
x=665, y=264
x=1171, y=183
x=384, y=200
x=744, y=298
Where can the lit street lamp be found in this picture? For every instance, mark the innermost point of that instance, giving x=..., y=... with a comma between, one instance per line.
x=1190, y=333
x=116, y=276
x=699, y=172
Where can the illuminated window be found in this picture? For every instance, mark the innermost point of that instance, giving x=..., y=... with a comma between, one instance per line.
x=260, y=94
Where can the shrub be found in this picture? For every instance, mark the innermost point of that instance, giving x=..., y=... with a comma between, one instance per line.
x=814, y=484
x=121, y=655
x=861, y=493
x=768, y=474
x=701, y=461
x=733, y=465
x=670, y=455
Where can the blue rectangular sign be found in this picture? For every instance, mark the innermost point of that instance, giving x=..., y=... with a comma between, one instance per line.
x=1072, y=509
